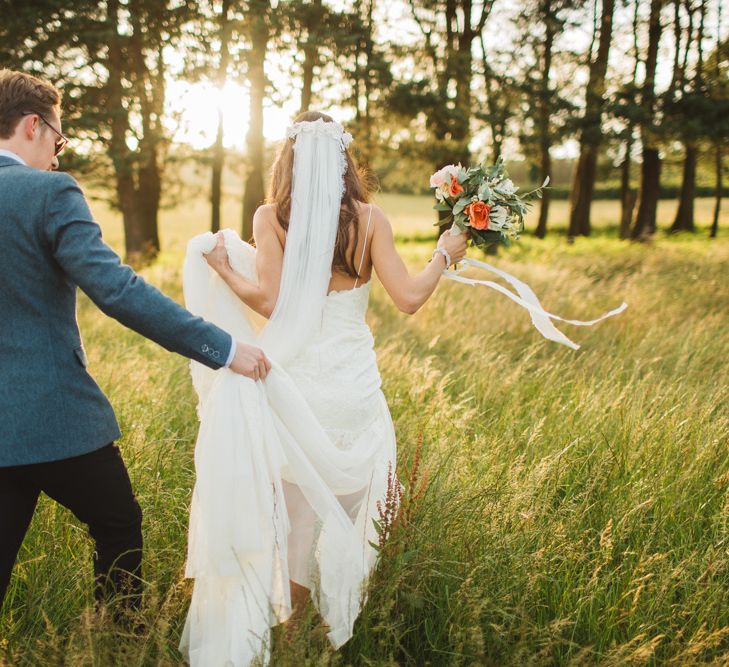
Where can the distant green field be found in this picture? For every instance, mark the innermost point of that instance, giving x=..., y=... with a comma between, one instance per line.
x=572, y=507
x=412, y=216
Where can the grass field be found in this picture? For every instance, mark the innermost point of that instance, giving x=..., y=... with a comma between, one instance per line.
x=569, y=507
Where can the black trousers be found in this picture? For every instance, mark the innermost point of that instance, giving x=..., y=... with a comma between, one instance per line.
x=96, y=488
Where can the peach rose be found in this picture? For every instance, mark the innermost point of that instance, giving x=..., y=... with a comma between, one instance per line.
x=478, y=214
x=455, y=188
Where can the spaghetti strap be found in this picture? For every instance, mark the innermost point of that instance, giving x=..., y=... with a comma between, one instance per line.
x=364, y=247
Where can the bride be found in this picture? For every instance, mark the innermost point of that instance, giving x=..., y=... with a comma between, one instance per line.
x=290, y=470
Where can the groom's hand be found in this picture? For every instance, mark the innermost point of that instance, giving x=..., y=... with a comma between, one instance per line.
x=250, y=361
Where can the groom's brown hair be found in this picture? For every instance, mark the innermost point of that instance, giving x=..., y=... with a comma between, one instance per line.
x=21, y=92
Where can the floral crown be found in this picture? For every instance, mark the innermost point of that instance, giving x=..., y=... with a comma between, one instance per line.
x=320, y=127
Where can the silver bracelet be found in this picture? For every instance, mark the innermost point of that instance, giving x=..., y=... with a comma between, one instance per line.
x=444, y=252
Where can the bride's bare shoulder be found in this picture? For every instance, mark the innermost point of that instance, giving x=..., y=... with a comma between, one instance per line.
x=364, y=212
x=379, y=219
x=265, y=221
x=266, y=212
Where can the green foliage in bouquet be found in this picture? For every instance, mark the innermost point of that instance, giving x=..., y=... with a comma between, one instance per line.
x=482, y=200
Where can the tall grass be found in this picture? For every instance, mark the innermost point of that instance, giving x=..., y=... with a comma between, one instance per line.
x=568, y=507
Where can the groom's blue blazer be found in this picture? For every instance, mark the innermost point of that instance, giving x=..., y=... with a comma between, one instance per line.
x=50, y=407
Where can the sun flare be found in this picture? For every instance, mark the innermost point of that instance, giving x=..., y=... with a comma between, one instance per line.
x=193, y=108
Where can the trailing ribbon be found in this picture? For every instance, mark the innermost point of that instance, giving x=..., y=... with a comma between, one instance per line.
x=527, y=299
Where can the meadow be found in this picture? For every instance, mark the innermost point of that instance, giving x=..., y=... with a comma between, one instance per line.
x=561, y=508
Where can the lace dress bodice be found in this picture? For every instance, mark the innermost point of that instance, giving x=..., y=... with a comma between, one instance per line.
x=337, y=372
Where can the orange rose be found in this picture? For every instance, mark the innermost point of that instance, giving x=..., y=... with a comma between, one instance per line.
x=478, y=214
x=455, y=187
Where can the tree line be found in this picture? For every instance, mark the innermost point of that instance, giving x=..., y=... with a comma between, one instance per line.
x=421, y=78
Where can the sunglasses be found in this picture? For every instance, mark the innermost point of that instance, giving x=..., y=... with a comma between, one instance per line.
x=60, y=142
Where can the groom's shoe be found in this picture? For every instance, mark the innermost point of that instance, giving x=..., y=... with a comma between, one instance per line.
x=125, y=618
x=119, y=594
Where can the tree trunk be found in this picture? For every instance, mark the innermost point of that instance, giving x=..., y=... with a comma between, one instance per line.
x=545, y=136
x=307, y=76
x=254, y=191
x=461, y=125
x=546, y=170
x=148, y=87
x=357, y=80
x=684, y=220
x=462, y=61
x=459, y=67
x=650, y=184
x=118, y=149
x=311, y=53
x=149, y=188
x=627, y=206
x=216, y=184
x=719, y=187
x=216, y=181
x=627, y=196
x=583, y=187
x=368, y=143
x=135, y=246
x=492, y=104
x=149, y=191
x=645, y=221
x=541, y=230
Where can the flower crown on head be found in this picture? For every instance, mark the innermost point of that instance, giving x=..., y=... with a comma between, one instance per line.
x=320, y=127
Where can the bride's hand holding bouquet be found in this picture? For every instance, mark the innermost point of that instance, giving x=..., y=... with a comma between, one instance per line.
x=451, y=247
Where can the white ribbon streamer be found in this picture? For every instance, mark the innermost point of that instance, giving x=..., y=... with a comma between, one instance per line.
x=527, y=299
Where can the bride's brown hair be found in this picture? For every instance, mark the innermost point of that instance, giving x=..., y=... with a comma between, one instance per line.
x=357, y=187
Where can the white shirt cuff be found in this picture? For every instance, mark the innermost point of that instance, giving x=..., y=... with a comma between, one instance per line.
x=233, y=347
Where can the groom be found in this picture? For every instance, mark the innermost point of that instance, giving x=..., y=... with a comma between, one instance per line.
x=57, y=429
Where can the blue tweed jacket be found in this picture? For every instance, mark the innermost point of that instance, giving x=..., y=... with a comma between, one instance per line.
x=50, y=407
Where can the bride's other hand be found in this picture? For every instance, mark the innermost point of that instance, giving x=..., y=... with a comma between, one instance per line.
x=262, y=295
x=455, y=246
x=217, y=258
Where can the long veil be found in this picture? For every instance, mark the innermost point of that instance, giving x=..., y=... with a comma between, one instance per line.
x=316, y=195
x=256, y=436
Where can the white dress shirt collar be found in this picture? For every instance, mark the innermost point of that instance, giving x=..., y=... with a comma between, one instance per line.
x=12, y=156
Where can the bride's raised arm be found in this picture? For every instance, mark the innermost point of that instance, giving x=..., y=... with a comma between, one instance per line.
x=409, y=292
x=269, y=264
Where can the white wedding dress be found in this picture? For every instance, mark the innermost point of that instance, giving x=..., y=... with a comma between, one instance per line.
x=290, y=472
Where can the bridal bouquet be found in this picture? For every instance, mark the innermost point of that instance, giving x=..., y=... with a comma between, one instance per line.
x=482, y=201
